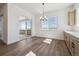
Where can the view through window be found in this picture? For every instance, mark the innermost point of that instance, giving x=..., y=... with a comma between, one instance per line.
x=50, y=23
x=25, y=24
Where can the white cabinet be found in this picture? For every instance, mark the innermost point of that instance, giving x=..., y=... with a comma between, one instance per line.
x=72, y=44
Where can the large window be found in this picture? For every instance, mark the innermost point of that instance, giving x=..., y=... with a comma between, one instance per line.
x=25, y=24
x=29, y=24
x=50, y=23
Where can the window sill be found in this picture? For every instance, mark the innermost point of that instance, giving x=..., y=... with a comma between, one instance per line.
x=49, y=29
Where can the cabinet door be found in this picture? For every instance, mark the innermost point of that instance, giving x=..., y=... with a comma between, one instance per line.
x=67, y=40
x=65, y=37
x=76, y=47
x=76, y=50
x=71, y=47
x=71, y=17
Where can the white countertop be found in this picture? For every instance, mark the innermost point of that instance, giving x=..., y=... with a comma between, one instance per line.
x=74, y=33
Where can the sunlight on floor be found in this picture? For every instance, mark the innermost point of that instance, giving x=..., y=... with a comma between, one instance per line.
x=31, y=54
x=48, y=41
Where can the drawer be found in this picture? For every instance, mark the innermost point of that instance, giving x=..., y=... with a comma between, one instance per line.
x=76, y=50
x=76, y=41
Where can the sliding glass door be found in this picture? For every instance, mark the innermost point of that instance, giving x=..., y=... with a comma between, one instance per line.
x=26, y=26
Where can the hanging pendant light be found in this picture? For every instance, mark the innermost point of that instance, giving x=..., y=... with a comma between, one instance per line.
x=43, y=17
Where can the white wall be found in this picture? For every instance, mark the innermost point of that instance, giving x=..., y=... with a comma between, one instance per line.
x=76, y=27
x=62, y=25
x=14, y=12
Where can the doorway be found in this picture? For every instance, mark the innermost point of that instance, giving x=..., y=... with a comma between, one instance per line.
x=25, y=28
x=1, y=28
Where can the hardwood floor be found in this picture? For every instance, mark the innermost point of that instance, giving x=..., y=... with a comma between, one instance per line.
x=37, y=46
x=2, y=44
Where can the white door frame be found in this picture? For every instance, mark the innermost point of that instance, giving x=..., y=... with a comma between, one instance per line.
x=1, y=16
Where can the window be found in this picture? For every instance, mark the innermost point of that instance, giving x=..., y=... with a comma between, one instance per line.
x=29, y=23
x=50, y=23
x=22, y=25
x=25, y=24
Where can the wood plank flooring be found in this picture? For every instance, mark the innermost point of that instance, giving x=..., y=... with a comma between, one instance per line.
x=37, y=46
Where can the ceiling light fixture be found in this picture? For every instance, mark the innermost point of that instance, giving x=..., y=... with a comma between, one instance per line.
x=43, y=17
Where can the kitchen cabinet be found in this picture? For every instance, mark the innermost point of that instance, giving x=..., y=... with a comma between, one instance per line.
x=72, y=43
x=76, y=50
x=67, y=39
x=75, y=46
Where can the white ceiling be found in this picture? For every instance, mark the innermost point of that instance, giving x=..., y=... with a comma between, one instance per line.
x=36, y=8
